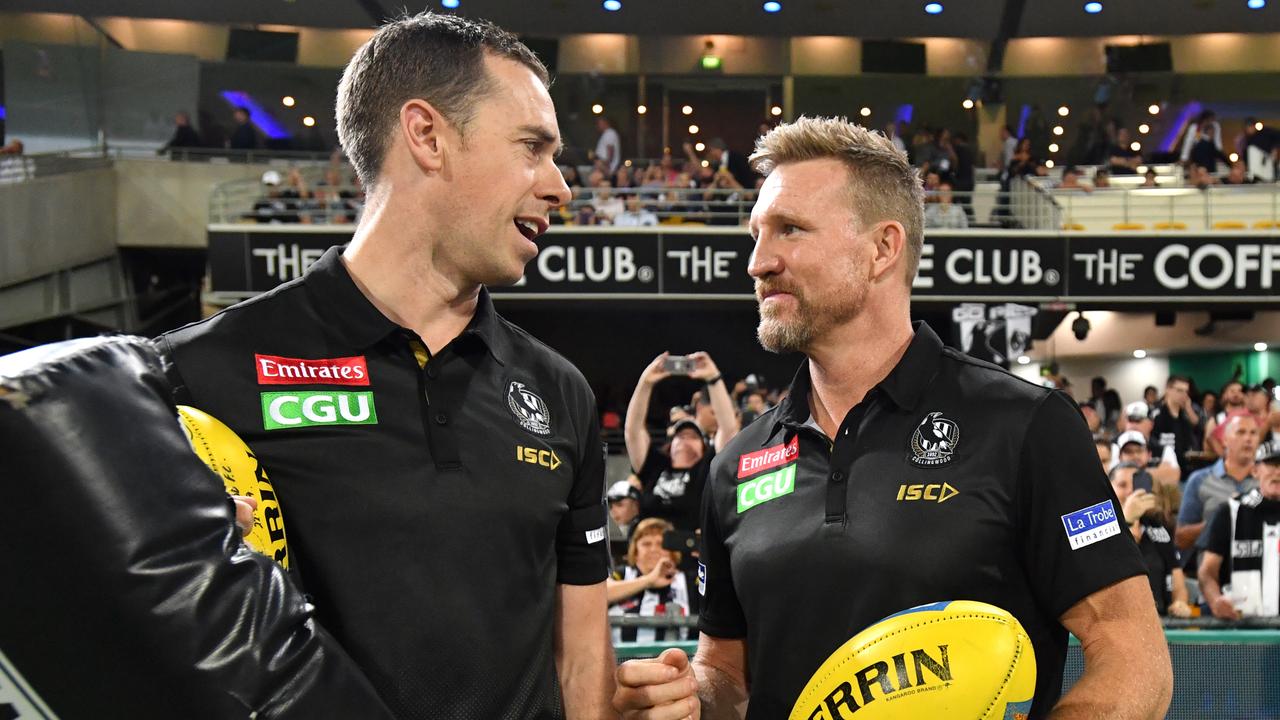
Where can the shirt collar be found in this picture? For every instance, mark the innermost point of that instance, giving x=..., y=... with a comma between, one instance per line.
x=347, y=312
x=904, y=385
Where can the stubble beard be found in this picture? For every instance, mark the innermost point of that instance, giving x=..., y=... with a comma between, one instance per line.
x=779, y=332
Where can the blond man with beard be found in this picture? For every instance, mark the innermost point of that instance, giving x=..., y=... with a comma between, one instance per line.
x=898, y=472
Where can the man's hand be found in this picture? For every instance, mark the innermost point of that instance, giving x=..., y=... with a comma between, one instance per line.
x=245, y=507
x=704, y=368
x=1224, y=609
x=1179, y=609
x=1138, y=504
x=655, y=373
x=663, y=688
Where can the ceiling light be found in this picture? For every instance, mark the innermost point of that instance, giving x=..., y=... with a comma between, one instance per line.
x=308, y=121
x=1260, y=347
x=775, y=111
x=693, y=129
x=627, y=163
x=612, y=5
x=933, y=8
x=1234, y=157
x=706, y=163
x=1257, y=126
x=449, y=4
x=1256, y=4
x=865, y=112
x=597, y=109
x=1053, y=147
x=1153, y=109
x=1048, y=164
x=1024, y=360
x=1144, y=128
x=967, y=104
x=1139, y=353
x=641, y=109
x=1064, y=111
x=700, y=147
x=287, y=101
x=687, y=109
x=1057, y=130
x=1135, y=146
x=772, y=7
x=1093, y=8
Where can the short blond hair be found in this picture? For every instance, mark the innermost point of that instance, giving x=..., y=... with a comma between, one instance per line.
x=882, y=183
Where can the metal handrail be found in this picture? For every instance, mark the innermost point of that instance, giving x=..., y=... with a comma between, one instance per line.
x=1171, y=623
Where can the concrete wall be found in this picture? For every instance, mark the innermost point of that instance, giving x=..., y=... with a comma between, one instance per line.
x=166, y=204
x=55, y=222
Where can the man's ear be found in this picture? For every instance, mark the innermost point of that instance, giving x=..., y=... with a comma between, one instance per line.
x=426, y=133
x=890, y=242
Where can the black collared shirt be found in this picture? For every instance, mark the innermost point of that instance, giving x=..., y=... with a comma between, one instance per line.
x=951, y=480
x=432, y=504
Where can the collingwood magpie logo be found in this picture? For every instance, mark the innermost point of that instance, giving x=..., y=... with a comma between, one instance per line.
x=528, y=409
x=934, y=440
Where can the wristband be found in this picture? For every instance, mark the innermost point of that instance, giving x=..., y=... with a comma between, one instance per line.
x=716, y=379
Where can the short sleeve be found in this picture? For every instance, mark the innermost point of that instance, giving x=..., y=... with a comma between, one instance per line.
x=1192, y=509
x=582, y=544
x=1075, y=543
x=1216, y=537
x=721, y=613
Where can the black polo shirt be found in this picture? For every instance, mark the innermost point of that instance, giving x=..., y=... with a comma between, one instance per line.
x=951, y=480
x=432, y=504
x=1161, y=558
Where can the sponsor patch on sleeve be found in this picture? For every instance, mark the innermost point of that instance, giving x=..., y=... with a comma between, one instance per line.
x=702, y=579
x=1087, y=526
x=595, y=536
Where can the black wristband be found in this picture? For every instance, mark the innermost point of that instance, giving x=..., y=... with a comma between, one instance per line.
x=716, y=379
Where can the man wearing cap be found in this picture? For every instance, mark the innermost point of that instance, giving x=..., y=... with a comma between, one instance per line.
x=1230, y=476
x=1245, y=531
x=1131, y=446
x=624, y=505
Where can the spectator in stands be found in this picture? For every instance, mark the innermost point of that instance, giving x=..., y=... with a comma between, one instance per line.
x=273, y=207
x=1150, y=396
x=635, y=215
x=1149, y=179
x=624, y=504
x=608, y=206
x=1008, y=145
x=673, y=476
x=1174, y=420
x=891, y=132
x=756, y=404
x=931, y=182
x=962, y=178
x=243, y=137
x=1202, y=144
x=624, y=178
x=1231, y=475
x=1141, y=511
x=1233, y=401
x=1134, y=447
x=942, y=213
x=727, y=199
x=1091, y=419
x=184, y=136
x=1023, y=161
x=649, y=585
x=572, y=179
x=653, y=177
x=736, y=163
x=608, y=146
x=1237, y=175
x=1071, y=180
x=1200, y=178
x=13, y=147
x=586, y=215
x=1106, y=402
x=1103, y=446
x=1101, y=180
x=1257, y=400
x=1122, y=159
x=1240, y=534
x=1260, y=150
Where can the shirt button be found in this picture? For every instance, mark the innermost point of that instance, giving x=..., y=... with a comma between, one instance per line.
x=431, y=372
x=442, y=418
x=837, y=476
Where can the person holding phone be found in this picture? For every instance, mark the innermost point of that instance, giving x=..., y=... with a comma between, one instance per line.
x=649, y=584
x=1142, y=514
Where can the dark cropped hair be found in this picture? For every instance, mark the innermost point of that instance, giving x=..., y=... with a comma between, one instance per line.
x=437, y=58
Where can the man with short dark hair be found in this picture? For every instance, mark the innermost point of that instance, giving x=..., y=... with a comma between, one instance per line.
x=441, y=470
x=243, y=137
x=1174, y=422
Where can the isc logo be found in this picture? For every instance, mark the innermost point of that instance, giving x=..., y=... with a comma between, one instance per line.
x=935, y=492
x=534, y=456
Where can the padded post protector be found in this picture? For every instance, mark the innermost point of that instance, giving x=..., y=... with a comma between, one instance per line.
x=125, y=589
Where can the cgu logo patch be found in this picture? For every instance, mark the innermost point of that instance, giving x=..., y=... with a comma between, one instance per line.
x=284, y=410
x=275, y=370
x=766, y=487
x=534, y=456
x=768, y=458
x=841, y=702
x=934, y=440
x=933, y=492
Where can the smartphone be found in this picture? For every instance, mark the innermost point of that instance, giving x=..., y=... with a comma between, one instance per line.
x=679, y=541
x=678, y=365
x=1142, y=481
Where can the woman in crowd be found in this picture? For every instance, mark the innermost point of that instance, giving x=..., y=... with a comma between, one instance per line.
x=650, y=584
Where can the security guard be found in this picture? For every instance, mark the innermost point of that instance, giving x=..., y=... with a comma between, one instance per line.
x=897, y=472
x=440, y=471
